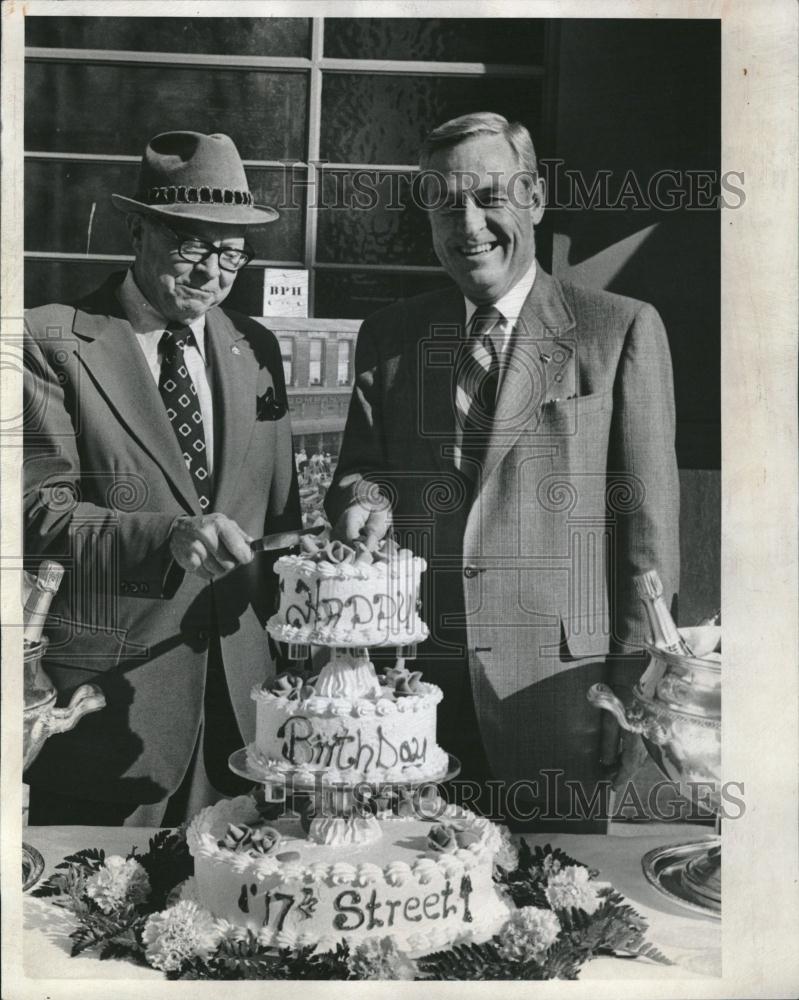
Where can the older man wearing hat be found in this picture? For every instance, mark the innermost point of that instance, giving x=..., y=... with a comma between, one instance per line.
x=158, y=445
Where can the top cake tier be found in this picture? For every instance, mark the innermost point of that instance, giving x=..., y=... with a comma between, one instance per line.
x=339, y=595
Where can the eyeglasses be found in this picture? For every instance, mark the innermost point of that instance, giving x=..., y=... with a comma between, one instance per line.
x=195, y=251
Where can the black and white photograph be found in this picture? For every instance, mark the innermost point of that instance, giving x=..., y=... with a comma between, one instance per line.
x=399, y=400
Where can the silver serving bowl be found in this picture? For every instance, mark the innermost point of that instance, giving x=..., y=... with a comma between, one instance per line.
x=42, y=719
x=676, y=709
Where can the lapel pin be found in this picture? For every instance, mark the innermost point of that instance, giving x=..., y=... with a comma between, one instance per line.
x=234, y=350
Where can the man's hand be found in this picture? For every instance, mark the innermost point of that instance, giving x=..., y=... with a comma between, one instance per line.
x=209, y=545
x=368, y=524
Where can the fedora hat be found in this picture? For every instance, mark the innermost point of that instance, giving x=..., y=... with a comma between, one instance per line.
x=188, y=175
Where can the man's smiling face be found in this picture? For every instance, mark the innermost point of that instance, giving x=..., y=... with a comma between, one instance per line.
x=483, y=227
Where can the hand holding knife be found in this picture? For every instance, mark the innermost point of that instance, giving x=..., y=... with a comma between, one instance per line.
x=284, y=539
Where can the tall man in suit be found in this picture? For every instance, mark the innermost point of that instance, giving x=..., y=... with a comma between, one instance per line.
x=158, y=445
x=519, y=432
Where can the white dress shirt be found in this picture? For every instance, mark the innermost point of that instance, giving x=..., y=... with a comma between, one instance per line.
x=149, y=327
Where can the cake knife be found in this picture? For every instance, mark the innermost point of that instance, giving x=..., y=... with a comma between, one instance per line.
x=284, y=539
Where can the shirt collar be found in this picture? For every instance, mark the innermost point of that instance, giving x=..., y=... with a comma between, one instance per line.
x=510, y=305
x=146, y=320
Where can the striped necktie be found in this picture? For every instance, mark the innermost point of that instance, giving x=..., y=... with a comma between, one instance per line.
x=183, y=408
x=476, y=382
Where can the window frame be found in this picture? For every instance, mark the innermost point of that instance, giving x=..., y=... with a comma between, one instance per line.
x=316, y=66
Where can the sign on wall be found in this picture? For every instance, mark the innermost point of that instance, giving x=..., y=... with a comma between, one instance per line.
x=285, y=292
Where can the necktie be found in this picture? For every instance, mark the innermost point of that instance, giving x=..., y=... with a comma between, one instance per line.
x=180, y=399
x=476, y=383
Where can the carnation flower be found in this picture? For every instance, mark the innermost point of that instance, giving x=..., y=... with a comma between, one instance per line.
x=528, y=934
x=118, y=882
x=379, y=958
x=176, y=935
x=572, y=887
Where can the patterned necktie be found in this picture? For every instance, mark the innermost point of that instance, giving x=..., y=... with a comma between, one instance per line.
x=476, y=383
x=182, y=407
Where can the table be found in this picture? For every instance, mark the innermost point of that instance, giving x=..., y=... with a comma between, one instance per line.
x=692, y=941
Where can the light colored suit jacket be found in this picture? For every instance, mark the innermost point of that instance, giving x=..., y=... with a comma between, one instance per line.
x=104, y=479
x=529, y=575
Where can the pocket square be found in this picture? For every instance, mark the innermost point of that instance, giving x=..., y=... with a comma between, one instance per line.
x=269, y=407
x=560, y=399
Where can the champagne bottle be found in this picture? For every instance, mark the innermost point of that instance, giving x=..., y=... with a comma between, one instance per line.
x=664, y=632
x=38, y=600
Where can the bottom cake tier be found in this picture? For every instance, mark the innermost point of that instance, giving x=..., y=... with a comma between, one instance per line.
x=428, y=884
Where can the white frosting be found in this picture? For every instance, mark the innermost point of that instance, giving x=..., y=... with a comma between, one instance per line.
x=347, y=676
x=378, y=736
x=349, y=604
x=397, y=886
x=341, y=831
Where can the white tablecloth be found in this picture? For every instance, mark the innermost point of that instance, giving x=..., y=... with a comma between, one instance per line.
x=691, y=940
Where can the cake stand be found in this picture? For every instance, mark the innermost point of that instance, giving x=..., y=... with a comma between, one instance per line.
x=296, y=781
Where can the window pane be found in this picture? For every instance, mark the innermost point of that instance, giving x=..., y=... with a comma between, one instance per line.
x=357, y=294
x=389, y=228
x=68, y=209
x=487, y=40
x=263, y=112
x=344, y=352
x=369, y=118
x=287, y=354
x=261, y=36
x=315, y=365
x=63, y=281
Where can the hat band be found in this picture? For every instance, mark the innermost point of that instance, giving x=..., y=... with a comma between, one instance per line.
x=182, y=195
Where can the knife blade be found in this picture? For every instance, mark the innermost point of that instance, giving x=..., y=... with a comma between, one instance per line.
x=283, y=539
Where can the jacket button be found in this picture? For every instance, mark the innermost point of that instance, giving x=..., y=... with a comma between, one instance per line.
x=202, y=635
x=470, y=572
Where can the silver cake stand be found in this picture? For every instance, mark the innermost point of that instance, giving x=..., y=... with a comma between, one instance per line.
x=341, y=797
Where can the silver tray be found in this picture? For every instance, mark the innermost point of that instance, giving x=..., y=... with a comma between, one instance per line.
x=673, y=871
x=32, y=866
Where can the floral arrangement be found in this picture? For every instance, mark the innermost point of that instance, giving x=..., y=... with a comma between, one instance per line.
x=133, y=908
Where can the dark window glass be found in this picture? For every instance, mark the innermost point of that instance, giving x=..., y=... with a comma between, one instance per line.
x=68, y=209
x=260, y=36
x=264, y=113
x=486, y=40
x=67, y=281
x=357, y=294
x=315, y=366
x=383, y=118
x=63, y=281
x=366, y=217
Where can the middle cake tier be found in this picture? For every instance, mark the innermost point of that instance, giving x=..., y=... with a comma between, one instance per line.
x=347, y=725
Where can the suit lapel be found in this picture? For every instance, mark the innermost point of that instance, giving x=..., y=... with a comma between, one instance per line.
x=441, y=340
x=235, y=378
x=528, y=380
x=115, y=363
